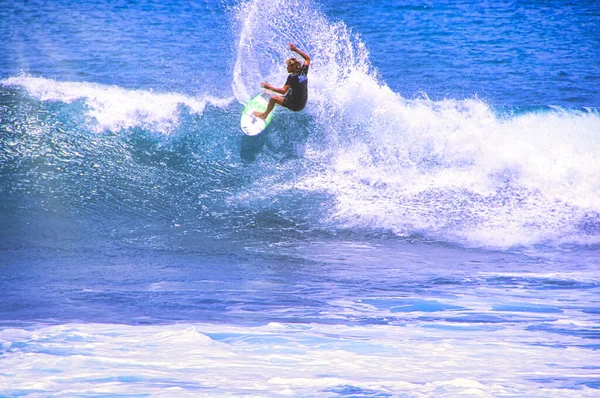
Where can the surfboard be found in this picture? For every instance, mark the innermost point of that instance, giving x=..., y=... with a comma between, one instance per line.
x=252, y=125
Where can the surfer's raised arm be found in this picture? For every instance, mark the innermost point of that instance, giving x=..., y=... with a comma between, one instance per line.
x=301, y=53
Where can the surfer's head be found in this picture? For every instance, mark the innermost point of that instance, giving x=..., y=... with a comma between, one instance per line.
x=293, y=65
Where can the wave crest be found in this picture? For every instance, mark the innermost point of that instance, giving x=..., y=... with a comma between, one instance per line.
x=112, y=108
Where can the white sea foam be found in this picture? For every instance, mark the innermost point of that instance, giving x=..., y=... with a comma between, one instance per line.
x=456, y=171
x=281, y=359
x=113, y=108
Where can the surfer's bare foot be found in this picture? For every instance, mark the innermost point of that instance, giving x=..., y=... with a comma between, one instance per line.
x=260, y=115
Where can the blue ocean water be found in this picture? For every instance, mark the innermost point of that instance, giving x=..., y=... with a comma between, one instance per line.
x=428, y=226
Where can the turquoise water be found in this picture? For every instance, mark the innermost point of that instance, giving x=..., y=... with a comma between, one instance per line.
x=428, y=226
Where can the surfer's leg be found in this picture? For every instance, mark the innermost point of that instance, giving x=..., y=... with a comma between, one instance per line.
x=275, y=99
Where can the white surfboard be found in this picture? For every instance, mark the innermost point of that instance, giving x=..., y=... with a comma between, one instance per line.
x=252, y=125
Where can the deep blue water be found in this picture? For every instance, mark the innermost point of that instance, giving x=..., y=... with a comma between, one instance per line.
x=428, y=226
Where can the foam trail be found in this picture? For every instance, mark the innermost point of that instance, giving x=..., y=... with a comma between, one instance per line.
x=112, y=108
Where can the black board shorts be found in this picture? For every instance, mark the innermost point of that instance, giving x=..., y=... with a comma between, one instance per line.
x=293, y=105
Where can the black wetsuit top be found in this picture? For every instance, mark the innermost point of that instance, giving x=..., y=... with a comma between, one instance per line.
x=296, y=97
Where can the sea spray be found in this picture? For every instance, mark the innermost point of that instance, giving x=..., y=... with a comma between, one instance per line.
x=265, y=28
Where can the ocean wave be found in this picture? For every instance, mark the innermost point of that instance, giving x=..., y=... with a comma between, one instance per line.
x=360, y=157
x=113, y=108
x=453, y=171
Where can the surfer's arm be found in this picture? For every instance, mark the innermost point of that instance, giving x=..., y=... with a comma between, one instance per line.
x=281, y=90
x=301, y=53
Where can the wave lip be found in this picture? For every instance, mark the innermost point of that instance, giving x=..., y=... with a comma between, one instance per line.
x=113, y=108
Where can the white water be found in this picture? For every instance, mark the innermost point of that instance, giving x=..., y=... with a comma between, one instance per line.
x=290, y=360
x=456, y=171
x=112, y=108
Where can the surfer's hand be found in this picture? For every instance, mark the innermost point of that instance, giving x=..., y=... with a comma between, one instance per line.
x=293, y=47
x=265, y=85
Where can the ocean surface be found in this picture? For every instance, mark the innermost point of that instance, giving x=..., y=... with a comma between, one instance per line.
x=429, y=226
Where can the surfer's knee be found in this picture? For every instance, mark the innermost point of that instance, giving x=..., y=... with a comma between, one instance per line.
x=276, y=99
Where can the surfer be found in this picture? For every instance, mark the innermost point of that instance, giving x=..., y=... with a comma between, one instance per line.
x=294, y=93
